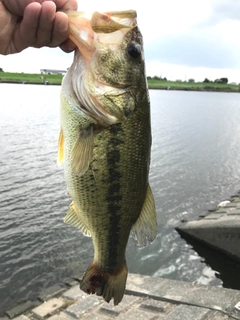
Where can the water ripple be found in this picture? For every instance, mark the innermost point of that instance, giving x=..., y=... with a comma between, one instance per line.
x=195, y=165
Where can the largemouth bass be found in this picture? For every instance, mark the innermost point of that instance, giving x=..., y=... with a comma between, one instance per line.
x=105, y=142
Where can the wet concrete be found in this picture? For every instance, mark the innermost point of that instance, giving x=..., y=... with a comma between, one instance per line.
x=145, y=298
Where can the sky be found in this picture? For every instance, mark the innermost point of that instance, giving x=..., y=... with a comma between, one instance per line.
x=182, y=39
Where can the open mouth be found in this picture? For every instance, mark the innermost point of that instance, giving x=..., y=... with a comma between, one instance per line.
x=87, y=29
x=91, y=32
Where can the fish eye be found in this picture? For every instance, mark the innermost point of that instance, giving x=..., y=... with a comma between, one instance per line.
x=134, y=50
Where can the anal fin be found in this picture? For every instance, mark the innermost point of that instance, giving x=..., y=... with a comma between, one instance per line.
x=72, y=217
x=144, y=229
x=81, y=154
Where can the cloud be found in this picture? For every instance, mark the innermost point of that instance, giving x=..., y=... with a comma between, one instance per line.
x=226, y=9
x=186, y=34
x=198, y=49
x=223, y=10
x=210, y=42
x=32, y=60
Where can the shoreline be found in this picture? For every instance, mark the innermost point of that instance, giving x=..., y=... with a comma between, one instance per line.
x=153, y=84
x=167, y=88
x=29, y=82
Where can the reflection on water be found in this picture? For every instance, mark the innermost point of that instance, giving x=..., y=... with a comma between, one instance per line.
x=195, y=165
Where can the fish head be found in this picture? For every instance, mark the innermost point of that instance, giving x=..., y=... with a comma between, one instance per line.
x=108, y=71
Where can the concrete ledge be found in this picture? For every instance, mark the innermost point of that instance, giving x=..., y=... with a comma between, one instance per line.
x=47, y=308
x=145, y=298
x=51, y=292
x=219, y=228
x=21, y=308
x=22, y=317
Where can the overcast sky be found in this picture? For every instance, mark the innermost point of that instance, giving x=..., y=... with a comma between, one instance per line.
x=182, y=39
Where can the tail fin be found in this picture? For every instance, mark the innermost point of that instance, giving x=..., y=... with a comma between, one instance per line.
x=108, y=285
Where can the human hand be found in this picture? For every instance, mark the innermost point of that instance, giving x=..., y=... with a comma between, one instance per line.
x=34, y=23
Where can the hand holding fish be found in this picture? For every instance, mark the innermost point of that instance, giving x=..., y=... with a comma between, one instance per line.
x=35, y=23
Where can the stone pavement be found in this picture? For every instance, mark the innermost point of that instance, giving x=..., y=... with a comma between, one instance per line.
x=146, y=298
x=219, y=228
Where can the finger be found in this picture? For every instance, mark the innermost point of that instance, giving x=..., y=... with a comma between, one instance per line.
x=46, y=24
x=66, y=4
x=60, y=32
x=25, y=35
x=68, y=46
x=18, y=7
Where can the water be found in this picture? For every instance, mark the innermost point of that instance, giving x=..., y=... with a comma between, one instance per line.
x=195, y=165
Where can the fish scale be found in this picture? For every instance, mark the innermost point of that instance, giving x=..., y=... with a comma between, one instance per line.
x=104, y=145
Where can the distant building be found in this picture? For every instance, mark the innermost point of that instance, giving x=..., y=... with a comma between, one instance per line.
x=52, y=71
x=191, y=80
x=233, y=83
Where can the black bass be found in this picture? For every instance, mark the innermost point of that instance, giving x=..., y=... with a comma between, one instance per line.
x=105, y=142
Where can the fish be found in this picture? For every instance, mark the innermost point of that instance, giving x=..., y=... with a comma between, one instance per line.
x=105, y=144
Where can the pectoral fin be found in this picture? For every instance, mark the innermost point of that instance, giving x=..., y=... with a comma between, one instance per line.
x=145, y=228
x=72, y=217
x=81, y=154
x=60, y=148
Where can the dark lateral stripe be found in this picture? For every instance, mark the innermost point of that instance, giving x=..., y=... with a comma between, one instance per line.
x=114, y=196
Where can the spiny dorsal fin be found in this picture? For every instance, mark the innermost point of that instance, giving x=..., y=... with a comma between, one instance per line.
x=72, y=217
x=144, y=229
x=60, y=148
x=81, y=154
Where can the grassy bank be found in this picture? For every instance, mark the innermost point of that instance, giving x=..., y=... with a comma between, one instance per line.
x=192, y=86
x=33, y=78
x=56, y=79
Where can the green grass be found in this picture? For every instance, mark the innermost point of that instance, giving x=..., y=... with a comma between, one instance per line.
x=31, y=77
x=192, y=86
x=56, y=79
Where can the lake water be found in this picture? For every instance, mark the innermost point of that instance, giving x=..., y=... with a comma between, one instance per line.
x=195, y=165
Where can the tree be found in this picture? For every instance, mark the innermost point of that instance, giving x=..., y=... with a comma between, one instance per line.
x=221, y=80
x=224, y=80
x=206, y=80
x=1, y=70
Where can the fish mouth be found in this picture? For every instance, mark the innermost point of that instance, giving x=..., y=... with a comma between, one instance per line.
x=86, y=29
x=89, y=32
